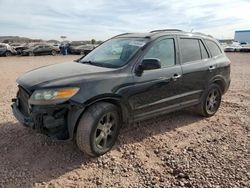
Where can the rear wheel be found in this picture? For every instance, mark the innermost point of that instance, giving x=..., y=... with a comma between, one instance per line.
x=98, y=129
x=53, y=52
x=7, y=54
x=210, y=101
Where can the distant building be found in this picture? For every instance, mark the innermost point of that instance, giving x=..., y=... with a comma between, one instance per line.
x=226, y=41
x=242, y=36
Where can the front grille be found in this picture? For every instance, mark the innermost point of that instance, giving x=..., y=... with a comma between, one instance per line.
x=23, y=98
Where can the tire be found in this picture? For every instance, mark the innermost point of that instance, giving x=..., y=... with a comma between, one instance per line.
x=19, y=52
x=98, y=129
x=210, y=101
x=8, y=54
x=53, y=52
x=31, y=54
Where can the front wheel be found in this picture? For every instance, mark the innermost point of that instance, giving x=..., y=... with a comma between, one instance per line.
x=98, y=129
x=210, y=101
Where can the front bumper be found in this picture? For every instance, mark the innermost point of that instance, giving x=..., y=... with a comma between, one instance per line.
x=26, y=121
x=48, y=120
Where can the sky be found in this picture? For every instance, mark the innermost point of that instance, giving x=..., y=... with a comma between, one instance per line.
x=102, y=19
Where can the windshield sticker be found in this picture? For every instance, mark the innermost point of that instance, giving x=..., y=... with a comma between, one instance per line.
x=137, y=43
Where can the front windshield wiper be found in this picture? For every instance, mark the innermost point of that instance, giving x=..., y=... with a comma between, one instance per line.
x=99, y=64
x=94, y=63
x=88, y=62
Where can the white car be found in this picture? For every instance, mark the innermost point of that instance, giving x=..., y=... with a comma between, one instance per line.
x=235, y=47
x=245, y=48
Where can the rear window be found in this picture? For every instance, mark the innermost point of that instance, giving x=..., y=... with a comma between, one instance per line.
x=192, y=50
x=213, y=48
x=204, y=53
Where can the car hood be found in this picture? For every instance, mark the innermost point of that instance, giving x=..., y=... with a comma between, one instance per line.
x=63, y=73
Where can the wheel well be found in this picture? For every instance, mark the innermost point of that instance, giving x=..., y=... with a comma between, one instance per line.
x=221, y=84
x=122, y=110
x=116, y=103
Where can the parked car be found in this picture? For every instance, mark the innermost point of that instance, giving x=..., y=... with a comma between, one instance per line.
x=148, y=75
x=6, y=50
x=245, y=48
x=83, y=49
x=55, y=45
x=235, y=47
x=15, y=44
x=41, y=50
x=19, y=49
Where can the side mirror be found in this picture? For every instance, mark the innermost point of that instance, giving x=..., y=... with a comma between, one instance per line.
x=148, y=64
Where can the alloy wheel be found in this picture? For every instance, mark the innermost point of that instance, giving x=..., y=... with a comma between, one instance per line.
x=212, y=101
x=106, y=131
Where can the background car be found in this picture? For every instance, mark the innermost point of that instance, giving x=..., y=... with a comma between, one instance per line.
x=6, y=50
x=83, y=49
x=41, y=50
x=245, y=48
x=19, y=48
x=234, y=47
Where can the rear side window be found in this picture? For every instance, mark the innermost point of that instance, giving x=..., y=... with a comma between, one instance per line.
x=163, y=50
x=190, y=50
x=204, y=53
x=213, y=48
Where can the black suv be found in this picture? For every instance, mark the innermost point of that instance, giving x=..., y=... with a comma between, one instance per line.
x=128, y=78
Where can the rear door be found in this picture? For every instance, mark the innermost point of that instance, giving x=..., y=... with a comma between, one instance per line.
x=195, y=63
x=220, y=66
x=47, y=49
x=38, y=50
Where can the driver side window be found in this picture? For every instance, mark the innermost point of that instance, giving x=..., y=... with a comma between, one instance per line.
x=163, y=50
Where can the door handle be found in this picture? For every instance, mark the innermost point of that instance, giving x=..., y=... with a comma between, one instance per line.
x=211, y=68
x=176, y=77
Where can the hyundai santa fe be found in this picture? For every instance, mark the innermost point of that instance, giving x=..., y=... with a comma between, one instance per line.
x=128, y=78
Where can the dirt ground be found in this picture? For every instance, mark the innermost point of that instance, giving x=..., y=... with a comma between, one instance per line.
x=181, y=149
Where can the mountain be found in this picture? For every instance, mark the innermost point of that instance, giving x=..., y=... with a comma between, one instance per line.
x=8, y=39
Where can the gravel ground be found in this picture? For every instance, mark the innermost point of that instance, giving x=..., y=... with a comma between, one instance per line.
x=181, y=149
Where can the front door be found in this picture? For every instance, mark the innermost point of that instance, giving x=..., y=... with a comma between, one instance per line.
x=157, y=91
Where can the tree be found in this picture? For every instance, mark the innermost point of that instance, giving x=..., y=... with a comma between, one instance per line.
x=63, y=37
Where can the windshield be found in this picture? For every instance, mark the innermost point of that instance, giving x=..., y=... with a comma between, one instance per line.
x=115, y=52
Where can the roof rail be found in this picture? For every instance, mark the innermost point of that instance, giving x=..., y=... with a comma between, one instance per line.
x=199, y=33
x=121, y=34
x=163, y=30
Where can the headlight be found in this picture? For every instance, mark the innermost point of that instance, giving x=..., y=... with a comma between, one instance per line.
x=52, y=96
